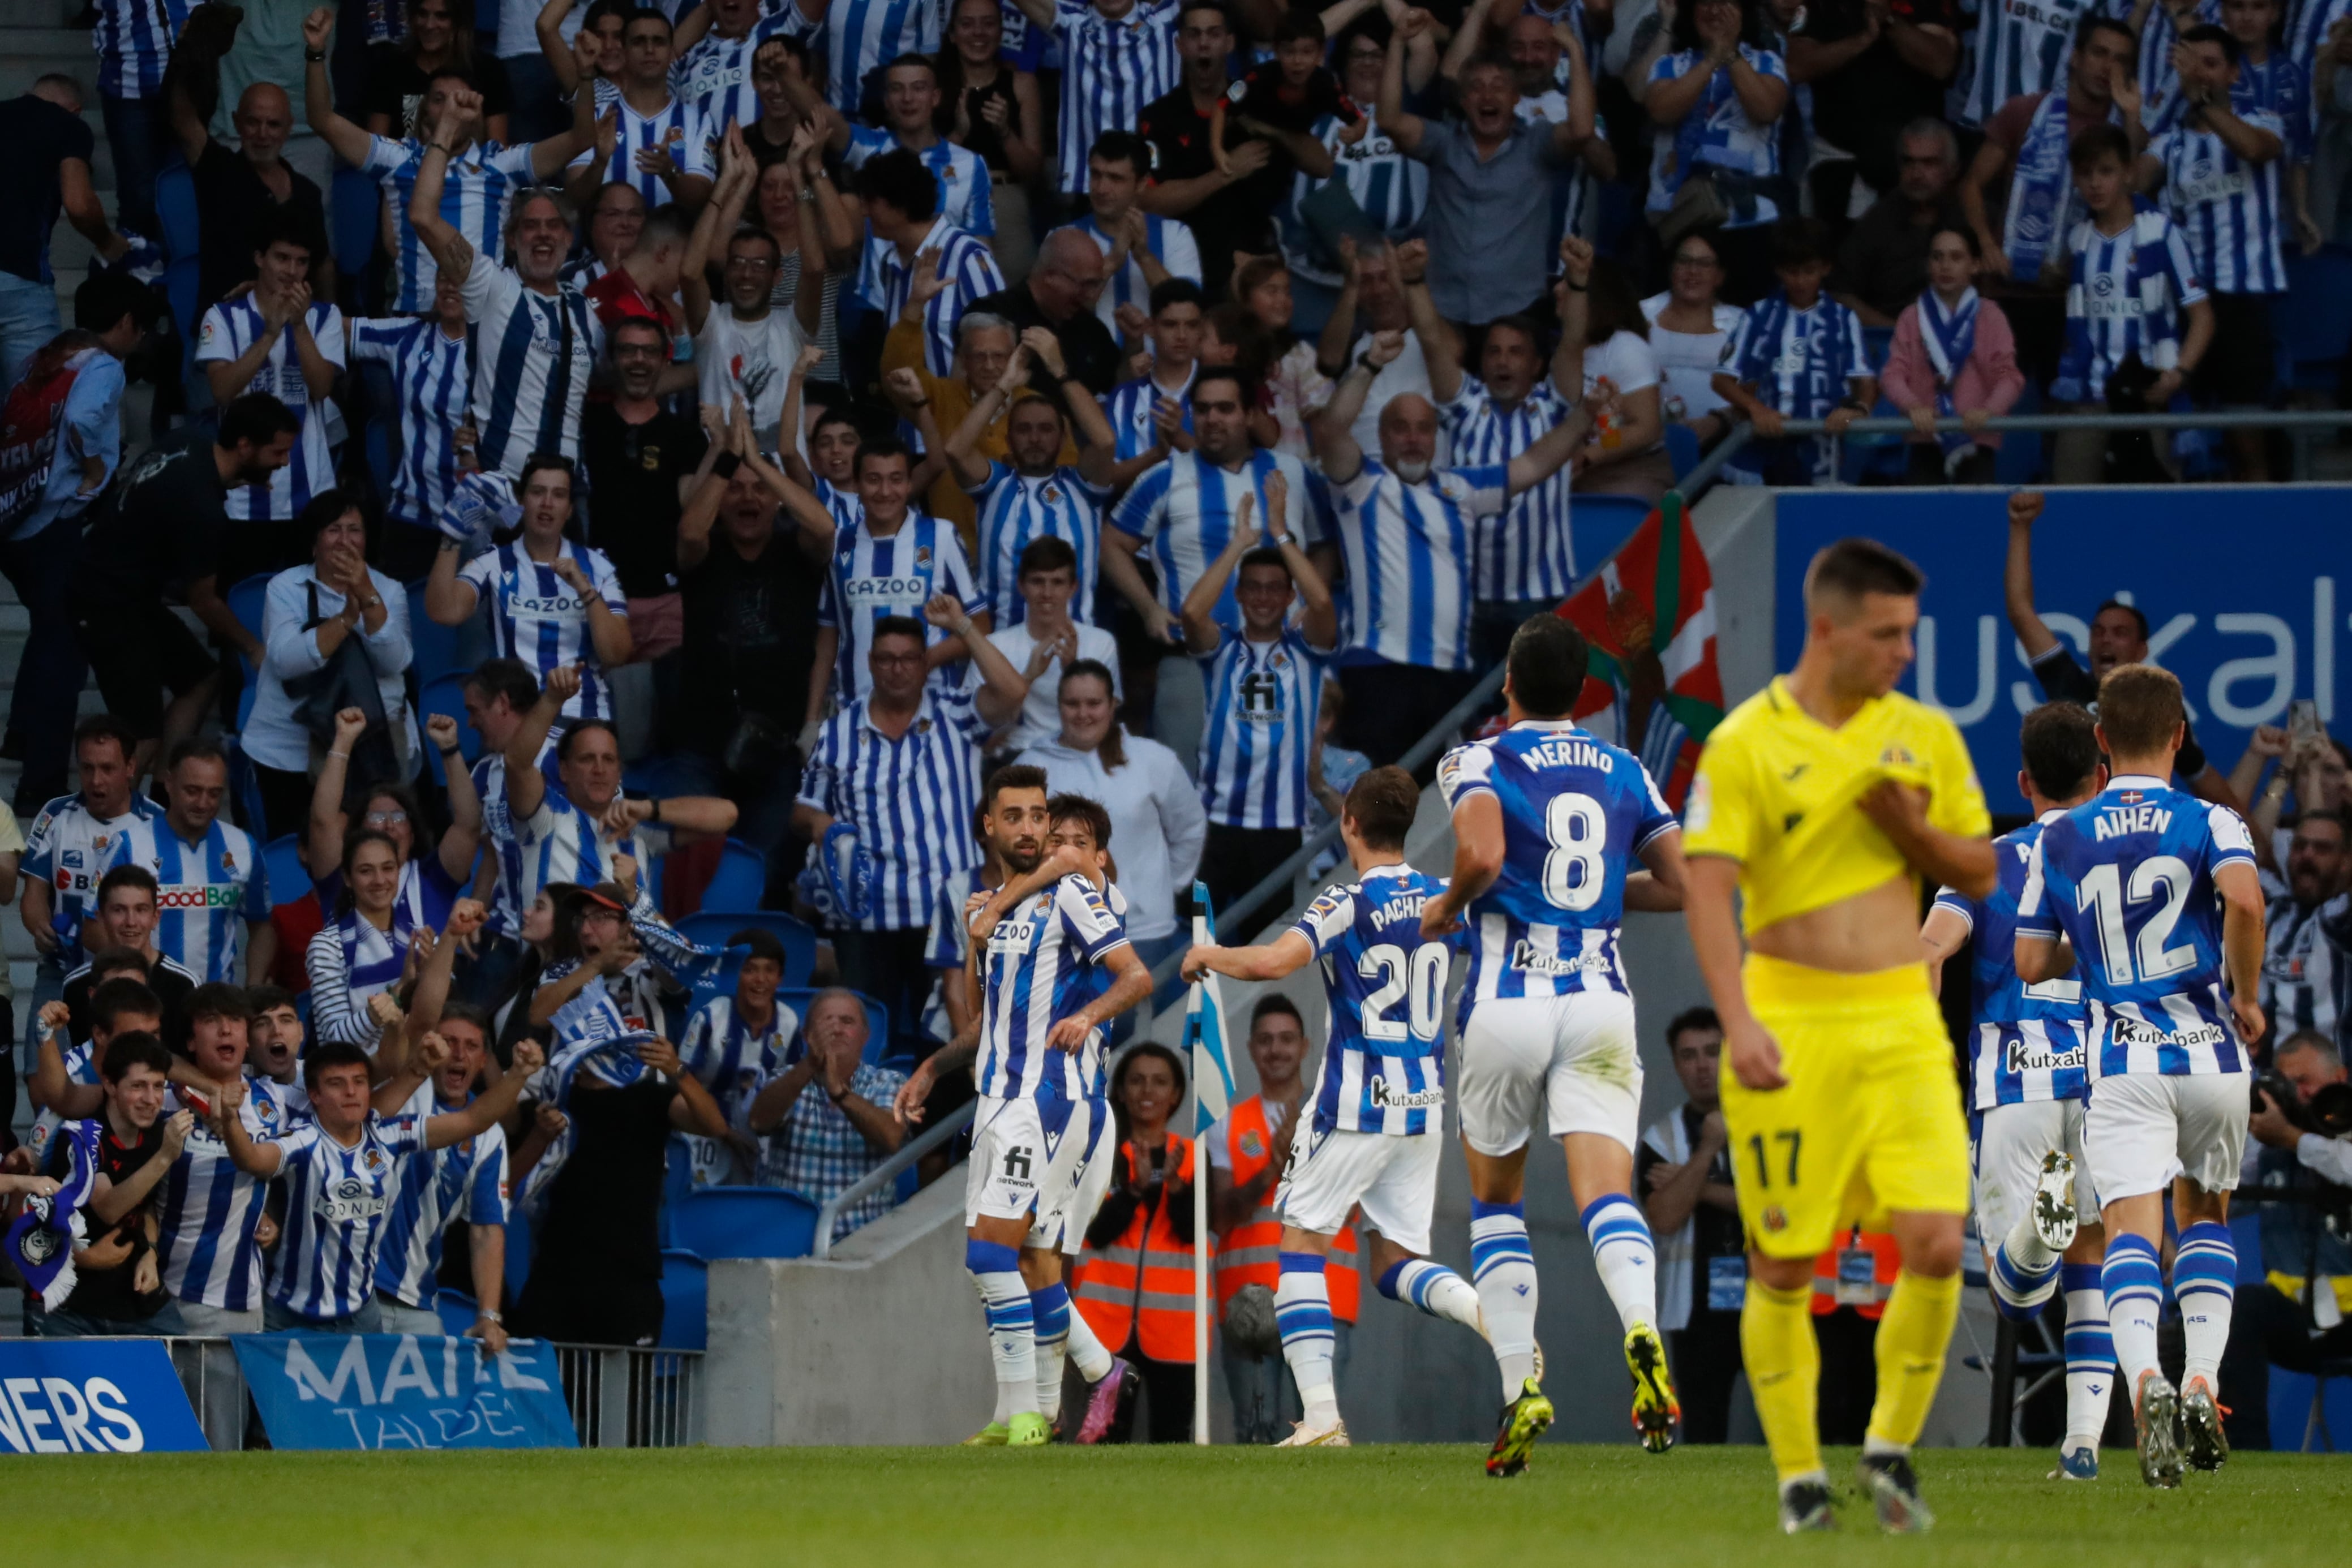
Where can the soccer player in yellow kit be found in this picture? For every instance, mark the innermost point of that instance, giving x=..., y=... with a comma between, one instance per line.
x=1822, y=801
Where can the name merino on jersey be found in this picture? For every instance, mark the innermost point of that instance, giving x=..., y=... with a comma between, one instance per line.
x=1045, y=963
x=1384, y=1032
x=2032, y=1041
x=2129, y=878
x=1576, y=813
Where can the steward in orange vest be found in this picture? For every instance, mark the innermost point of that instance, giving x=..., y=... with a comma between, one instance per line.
x=1137, y=1269
x=1866, y=1297
x=1250, y=1253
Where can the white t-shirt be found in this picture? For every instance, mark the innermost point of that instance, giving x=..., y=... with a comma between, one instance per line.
x=753, y=359
x=1688, y=361
x=1041, y=715
x=1626, y=363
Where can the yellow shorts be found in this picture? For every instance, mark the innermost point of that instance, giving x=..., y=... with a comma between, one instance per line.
x=1870, y=1120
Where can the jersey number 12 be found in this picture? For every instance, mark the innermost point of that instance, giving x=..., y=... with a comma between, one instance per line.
x=2104, y=894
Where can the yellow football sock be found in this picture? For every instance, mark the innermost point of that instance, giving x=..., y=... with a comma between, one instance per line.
x=1912, y=1339
x=1784, y=1371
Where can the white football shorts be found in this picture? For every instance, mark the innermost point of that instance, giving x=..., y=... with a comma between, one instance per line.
x=1572, y=1056
x=1393, y=1175
x=2010, y=1143
x=2145, y=1128
x=1027, y=1156
x=1064, y=1229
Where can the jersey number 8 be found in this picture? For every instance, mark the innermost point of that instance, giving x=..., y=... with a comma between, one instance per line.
x=1574, y=871
x=1418, y=977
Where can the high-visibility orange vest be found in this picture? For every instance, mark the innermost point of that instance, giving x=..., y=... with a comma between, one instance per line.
x=1144, y=1279
x=1252, y=1254
x=1887, y=1259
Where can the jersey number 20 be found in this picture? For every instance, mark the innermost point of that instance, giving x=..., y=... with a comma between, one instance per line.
x=1418, y=978
x=1574, y=871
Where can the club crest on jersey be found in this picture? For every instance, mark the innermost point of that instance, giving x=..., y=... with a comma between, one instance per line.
x=229, y=861
x=922, y=557
x=373, y=1159
x=1252, y=1147
x=1776, y=1218
x=1898, y=754
x=1052, y=494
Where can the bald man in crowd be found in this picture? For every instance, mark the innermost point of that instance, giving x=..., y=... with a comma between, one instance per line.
x=235, y=186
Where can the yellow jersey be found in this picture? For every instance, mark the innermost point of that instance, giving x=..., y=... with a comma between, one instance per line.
x=1775, y=790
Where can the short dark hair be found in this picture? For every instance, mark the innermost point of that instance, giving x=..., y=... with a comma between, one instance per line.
x=128, y=875
x=2092, y=23
x=1177, y=291
x=2140, y=708
x=1264, y=555
x=1124, y=147
x=112, y=1000
x=1067, y=807
x=269, y=998
x=194, y=749
x=2096, y=143
x=324, y=510
x=1854, y=567
x=219, y=999
x=879, y=447
x=467, y=1013
x=286, y=225
x=897, y=626
x=1690, y=1019
x=600, y=9
x=2139, y=616
x=513, y=679
x=900, y=178
x=104, y=299
x=1800, y=241
x=2208, y=33
x=1276, y=1002
x=637, y=324
x=925, y=62
x=644, y=14
x=581, y=726
x=327, y=1053
x=1547, y=663
x=759, y=942
x=255, y=419
x=1012, y=776
x=2059, y=747
x=1967, y=237
x=1297, y=23
x=548, y=462
x=754, y=233
x=106, y=727
x=451, y=70
x=133, y=1047
x=1242, y=388
x=1383, y=802
x=1048, y=552
x=123, y=961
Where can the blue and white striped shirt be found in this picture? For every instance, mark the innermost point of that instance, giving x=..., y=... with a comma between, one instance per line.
x=2125, y=294
x=847, y=507
x=520, y=369
x=538, y=618
x=230, y=329
x=967, y=198
x=70, y=849
x=1576, y=814
x=909, y=799
x=337, y=1200
x=562, y=842
x=2128, y=876
x=1170, y=243
x=133, y=39
x=885, y=277
x=2227, y=208
x=480, y=187
x=676, y=128
x=1391, y=189
x=204, y=1239
x=871, y=578
x=861, y=35
x=1801, y=363
x=1045, y=964
x=466, y=1181
x=350, y=960
x=1128, y=410
x=433, y=374
x=207, y=889
x=1718, y=134
x=1408, y=554
x=2030, y=1041
x=731, y=1058
x=1526, y=551
x=2021, y=46
x=1110, y=68
x=715, y=76
x=1016, y=510
x=1384, y=1019
x=1182, y=512
x=2159, y=80
x=2278, y=85
x=1263, y=700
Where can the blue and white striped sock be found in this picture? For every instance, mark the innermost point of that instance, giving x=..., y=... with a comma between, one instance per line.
x=1625, y=1257
x=2090, y=1356
x=1302, y=1309
x=1504, y=1267
x=2204, y=1281
x=995, y=1270
x=1051, y=1310
x=2019, y=1290
x=1434, y=1288
x=2135, y=1286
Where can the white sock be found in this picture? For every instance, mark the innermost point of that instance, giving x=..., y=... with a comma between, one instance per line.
x=1434, y=1289
x=2134, y=1289
x=2025, y=1247
x=1087, y=1352
x=1625, y=1256
x=1302, y=1307
x=995, y=1270
x=2204, y=1281
x=1505, y=1269
x=2090, y=1358
x=1051, y=1309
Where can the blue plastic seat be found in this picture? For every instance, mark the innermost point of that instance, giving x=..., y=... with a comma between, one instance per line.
x=447, y=694
x=353, y=199
x=518, y=1249
x=457, y=1311
x=745, y=1222
x=678, y=1180
x=288, y=878
x=686, y=1301
x=434, y=647
x=2313, y=326
x=1599, y=524
x=712, y=926
x=1682, y=448
x=741, y=880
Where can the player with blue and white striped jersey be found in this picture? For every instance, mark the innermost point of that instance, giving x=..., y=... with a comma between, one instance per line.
x=431, y=358
x=1375, y=1127
x=891, y=562
x=2132, y=285
x=1404, y=528
x=279, y=341
x=661, y=150
x=1174, y=326
x=1141, y=250
x=1116, y=56
x=1548, y=823
x=2221, y=171
x=2156, y=894
x=211, y=894
x=133, y=41
x=466, y=1181
x=2031, y=1067
x=341, y=1169
x=205, y=1244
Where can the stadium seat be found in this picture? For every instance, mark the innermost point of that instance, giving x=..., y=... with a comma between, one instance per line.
x=288, y=879
x=745, y=1222
x=446, y=693
x=712, y=927
x=741, y=880
x=518, y=1249
x=2020, y=462
x=678, y=1180
x=457, y=1311
x=1682, y=448
x=2314, y=325
x=175, y=215
x=248, y=601
x=433, y=645
x=686, y=1301
x=877, y=1024
x=1599, y=524
x=244, y=788
x=354, y=200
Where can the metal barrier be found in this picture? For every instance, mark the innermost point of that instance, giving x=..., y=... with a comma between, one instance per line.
x=885, y=1174
x=631, y=1396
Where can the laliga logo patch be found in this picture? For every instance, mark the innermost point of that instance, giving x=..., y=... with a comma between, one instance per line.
x=1897, y=756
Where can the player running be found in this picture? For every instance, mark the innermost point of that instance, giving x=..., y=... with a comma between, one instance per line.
x=2031, y=1074
x=1547, y=821
x=2157, y=893
x=1822, y=800
x=1376, y=1129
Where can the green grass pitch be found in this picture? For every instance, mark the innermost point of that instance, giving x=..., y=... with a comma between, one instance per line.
x=1419, y=1506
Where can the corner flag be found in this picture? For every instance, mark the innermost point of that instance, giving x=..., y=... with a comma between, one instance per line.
x=1212, y=1098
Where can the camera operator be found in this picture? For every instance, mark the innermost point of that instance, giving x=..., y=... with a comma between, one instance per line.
x=2295, y=1317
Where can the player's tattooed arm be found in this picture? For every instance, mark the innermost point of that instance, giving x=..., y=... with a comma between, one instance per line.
x=1060, y=863
x=1286, y=956
x=953, y=1057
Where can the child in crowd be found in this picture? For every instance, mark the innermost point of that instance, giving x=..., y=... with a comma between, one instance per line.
x=1282, y=100
x=1797, y=355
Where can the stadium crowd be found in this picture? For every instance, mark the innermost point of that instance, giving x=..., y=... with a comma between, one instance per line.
x=876, y=396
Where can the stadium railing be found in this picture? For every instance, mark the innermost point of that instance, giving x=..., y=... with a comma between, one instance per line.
x=886, y=1174
x=620, y=1397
